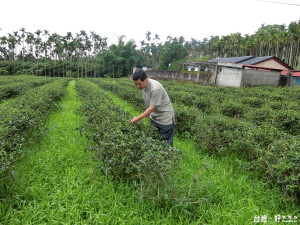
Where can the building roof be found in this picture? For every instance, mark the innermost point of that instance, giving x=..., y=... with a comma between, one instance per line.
x=250, y=60
x=233, y=59
x=295, y=73
x=256, y=60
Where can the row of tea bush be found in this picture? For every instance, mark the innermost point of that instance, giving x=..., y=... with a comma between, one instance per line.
x=16, y=86
x=130, y=152
x=21, y=117
x=272, y=150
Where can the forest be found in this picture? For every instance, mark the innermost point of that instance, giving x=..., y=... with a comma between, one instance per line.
x=86, y=54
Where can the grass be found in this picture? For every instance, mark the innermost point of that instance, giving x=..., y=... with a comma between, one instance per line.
x=57, y=182
x=232, y=195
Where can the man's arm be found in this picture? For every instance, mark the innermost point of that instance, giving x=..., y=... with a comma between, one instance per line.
x=144, y=114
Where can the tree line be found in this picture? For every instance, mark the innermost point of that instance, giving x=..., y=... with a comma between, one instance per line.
x=89, y=55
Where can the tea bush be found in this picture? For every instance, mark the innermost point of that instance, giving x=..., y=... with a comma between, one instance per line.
x=283, y=105
x=206, y=104
x=17, y=79
x=288, y=121
x=12, y=89
x=123, y=89
x=259, y=116
x=233, y=109
x=125, y=151
x=24, y=115
x=216, y=133
x=248, y=122
x=264, y=148
x=185, y=118
x=253, y=102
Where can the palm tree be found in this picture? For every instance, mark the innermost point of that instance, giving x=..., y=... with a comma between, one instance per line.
x=156, y=38
x=29, y=42
x=12, y=41
x=148, y=36
x=97, y=43
x=83, y=48
x=181, y=39
x=294, y=31
x=3, y=47
x=23, y=51
x=142, y=43
x=45, y=48
x=57, y=49
x=169, y=38
x=38, y=42
x=68, y=46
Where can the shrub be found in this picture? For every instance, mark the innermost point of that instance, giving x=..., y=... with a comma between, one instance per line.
x=127, y=152
x=289, y=121
x=216, y=133
x=206, y=104
x=24, y=115
x=261, y=115
x=3, y=71
x=259, y=125
x=232, y=109
x=14, y=87
x=253, y=102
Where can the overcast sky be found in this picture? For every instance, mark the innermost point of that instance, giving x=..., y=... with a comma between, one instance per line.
x=196, y=19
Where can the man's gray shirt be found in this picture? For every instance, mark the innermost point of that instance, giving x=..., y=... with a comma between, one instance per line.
x=155, y=95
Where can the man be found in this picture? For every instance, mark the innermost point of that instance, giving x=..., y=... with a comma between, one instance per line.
x=159, y=106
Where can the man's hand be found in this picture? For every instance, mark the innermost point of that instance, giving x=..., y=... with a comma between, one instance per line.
x=135, y=120
x=143, y=115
